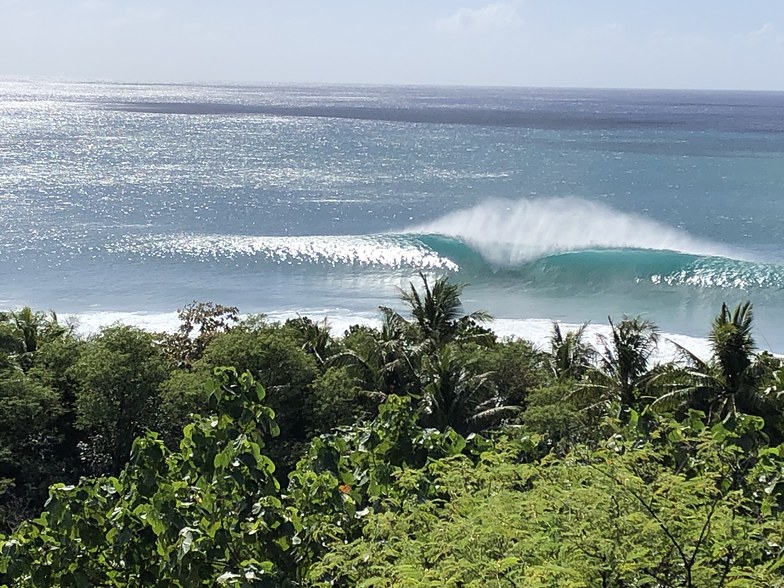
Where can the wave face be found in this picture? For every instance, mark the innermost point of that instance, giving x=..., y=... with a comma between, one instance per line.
x=563, y=243
x=657, y=267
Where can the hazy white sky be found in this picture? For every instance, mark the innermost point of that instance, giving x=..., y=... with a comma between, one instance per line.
x=596, y=43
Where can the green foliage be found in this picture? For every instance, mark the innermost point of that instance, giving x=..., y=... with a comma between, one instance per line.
x=625, y=357
x=274, y=355
x=384, y=360
x=514, y=367
x=455, y=396
x=733, y=381
x=21, y=333
x=732, y=341
x=569, y=356
x=347, y=475
x=334, y=400
x=315, y=337
x=119, y=373
x=200, y=323
x=10, y=341
x=617, y=515
x=181, y=395
x=437, y=313
x=613, y=475
x=206, y=514
x=29, y=439
x=37, y=440
x=53, y=362
x=559, y=413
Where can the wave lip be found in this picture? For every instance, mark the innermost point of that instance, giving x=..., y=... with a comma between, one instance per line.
x=509, y=233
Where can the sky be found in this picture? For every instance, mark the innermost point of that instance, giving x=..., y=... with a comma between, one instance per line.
x=720, y=44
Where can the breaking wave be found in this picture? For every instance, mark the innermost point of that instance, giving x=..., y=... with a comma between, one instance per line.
x=553, y=242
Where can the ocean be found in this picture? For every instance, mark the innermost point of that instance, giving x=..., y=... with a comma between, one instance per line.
x=127, y=201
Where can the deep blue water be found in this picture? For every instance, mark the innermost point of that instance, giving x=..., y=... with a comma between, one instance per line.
x=562, y=204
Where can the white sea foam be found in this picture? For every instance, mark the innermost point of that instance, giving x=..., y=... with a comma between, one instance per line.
x=88, y=323
x=537, y=331
x=507, y=232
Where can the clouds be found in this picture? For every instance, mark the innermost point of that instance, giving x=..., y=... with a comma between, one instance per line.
x=767, y=34
x=495, y=16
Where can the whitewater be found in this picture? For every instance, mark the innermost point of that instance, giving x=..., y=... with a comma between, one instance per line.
x=124, y=203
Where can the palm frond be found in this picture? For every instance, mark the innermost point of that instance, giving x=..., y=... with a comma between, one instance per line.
x=491, y=416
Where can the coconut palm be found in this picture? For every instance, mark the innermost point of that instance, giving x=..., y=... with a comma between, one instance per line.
x=388, y=365
x=733, y=345
x=316, y=337
x=29, y=324
x=23, y=332
x=731, y=381
x=569, y=356
x=454, y=396
x=438, y=313
x=624, y=359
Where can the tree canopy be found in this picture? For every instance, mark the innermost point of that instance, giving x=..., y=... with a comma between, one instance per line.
x=426, y=452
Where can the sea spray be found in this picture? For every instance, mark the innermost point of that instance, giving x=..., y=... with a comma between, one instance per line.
x=510, y=232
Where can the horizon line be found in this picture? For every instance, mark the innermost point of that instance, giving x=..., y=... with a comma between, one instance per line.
x=312, y=84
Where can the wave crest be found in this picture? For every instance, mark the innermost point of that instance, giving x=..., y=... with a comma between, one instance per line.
x=564, y=243
x=335, y=250
x=507, y=233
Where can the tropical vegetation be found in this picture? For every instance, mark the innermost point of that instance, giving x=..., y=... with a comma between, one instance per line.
x=425, y=452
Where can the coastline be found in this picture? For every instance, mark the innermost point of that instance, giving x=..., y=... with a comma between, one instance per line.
x=535, y=330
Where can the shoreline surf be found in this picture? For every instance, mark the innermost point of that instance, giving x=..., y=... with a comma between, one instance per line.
x=535, y=330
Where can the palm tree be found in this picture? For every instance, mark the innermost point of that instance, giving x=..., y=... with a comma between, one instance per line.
x=730, y=382
x=389, y=364
x=454, y=396
x=624, y=359
x=316, y=337
x=733, y=345
x=569, y=356
x=438, y=313
x=26, y=330
x=29, y=324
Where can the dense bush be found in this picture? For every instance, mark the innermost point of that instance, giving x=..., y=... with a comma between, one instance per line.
x=423, y=453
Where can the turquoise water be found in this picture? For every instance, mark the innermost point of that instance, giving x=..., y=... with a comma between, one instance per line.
x=551, y=204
